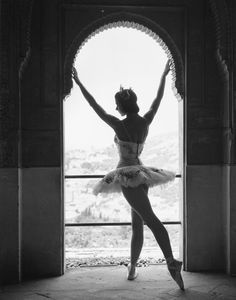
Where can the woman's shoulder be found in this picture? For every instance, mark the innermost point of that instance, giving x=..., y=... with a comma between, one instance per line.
x=142, y=122
x=137, y=122
x=135, y=118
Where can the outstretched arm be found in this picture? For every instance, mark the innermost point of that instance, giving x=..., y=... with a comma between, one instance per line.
x=109, y=119
x=156, y=102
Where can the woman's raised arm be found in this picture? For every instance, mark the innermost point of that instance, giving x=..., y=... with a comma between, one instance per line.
x=109, y=119
x=156, y=102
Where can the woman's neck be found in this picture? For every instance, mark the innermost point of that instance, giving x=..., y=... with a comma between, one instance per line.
x=131, y=115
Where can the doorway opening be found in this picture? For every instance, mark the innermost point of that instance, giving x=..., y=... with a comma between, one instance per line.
x=98, y=228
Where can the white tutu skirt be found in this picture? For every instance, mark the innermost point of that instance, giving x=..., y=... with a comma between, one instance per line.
x=132, y=176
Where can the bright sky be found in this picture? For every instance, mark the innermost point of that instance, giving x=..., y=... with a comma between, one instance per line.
x=118, y=56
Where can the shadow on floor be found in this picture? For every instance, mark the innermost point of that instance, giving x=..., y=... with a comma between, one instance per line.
x=105, y=283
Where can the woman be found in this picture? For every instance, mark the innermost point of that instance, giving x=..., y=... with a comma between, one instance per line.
x=131, y=177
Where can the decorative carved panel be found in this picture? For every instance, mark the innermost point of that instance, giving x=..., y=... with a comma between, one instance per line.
x=13, y=39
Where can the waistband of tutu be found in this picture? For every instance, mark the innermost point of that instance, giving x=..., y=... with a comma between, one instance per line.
x=129, y=162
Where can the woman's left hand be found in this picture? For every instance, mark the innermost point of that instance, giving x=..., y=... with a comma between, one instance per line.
x=75, y=74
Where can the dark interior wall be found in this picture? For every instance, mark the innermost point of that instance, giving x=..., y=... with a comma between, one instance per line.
x=31, y=157
x=204, y=111
x=42, y=188
x=31, y=206
x=9, y=152
x=41, y=92
x=205, y=249
x=232, y=112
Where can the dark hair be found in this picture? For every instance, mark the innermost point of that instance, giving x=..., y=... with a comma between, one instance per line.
x=127, y=100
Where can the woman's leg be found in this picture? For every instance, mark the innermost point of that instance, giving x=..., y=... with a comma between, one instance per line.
x=136, y=244
x=137, y=237
x=137, y=234
x=139, y=201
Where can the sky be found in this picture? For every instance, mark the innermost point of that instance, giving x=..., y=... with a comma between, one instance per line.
x=117, y=56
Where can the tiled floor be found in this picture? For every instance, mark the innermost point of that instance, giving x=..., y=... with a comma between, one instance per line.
x=105, y=283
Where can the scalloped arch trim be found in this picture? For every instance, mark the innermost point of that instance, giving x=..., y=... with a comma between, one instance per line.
x=175, y=58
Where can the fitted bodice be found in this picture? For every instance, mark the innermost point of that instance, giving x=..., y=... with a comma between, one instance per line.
x=129, y=152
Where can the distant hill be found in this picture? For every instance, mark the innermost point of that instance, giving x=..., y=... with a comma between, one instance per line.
x=159, y=151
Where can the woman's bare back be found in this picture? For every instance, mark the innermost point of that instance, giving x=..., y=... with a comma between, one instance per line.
x=133, y=128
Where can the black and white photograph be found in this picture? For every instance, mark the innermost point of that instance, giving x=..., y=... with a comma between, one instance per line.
x=117, y=149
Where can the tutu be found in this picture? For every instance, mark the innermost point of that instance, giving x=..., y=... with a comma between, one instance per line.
x=132, y=176
x=130, y=171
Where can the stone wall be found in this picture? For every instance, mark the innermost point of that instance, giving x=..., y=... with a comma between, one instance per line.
x=42, y=161
x=9, y=152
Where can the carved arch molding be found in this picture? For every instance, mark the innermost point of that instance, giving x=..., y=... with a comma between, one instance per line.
x=221, y=20
x=128, y=20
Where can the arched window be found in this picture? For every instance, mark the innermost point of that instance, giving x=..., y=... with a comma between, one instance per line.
x=132, y=58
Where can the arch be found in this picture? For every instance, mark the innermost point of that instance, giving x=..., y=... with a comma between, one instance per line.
x=26, y=21
x=221, y=18
x=128, y=20
x=222, y=33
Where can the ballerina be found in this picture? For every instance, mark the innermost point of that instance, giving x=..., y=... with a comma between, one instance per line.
x=131, y=177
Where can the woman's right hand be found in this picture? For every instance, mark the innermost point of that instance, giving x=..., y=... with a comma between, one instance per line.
x=167, y=67
x=75, y=74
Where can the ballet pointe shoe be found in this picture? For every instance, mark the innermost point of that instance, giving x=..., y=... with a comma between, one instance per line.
x=174, y=267
x=132, y=272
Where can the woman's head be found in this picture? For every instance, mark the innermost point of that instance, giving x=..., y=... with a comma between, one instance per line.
x=126, y=101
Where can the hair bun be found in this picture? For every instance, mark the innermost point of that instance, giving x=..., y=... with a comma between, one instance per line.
x=128, y=99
